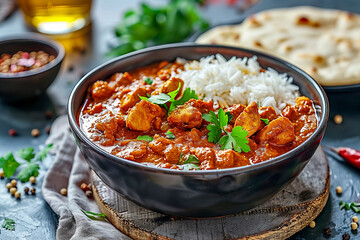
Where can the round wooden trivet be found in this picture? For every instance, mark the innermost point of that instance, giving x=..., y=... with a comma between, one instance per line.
x=286, y=213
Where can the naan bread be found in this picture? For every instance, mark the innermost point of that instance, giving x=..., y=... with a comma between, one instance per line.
x=323, y=42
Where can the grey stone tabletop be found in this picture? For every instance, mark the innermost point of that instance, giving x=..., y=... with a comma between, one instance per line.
x=34, y=218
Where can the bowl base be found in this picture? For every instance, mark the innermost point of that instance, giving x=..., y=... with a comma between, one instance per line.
x=286, y=213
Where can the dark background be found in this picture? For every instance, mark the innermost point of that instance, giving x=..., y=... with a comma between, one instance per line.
x=34, y=218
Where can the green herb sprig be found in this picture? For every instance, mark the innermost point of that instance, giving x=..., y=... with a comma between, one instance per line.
x=170, y=135
x=191, y=163
x=265, y=120
x=149, y=26
x=9, y=224
x=354, y=206
x=145, y=138
x=163, y=98
x=30, y=165
x=94, y=216
x=231, y=140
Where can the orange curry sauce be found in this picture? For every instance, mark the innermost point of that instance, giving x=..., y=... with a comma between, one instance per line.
x=113, y=116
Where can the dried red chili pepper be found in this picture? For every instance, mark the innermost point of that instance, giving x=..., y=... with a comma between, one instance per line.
x=351, y=155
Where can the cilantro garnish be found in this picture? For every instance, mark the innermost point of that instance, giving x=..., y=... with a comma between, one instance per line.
x=191, y=159
x=231, y=140
x=43, y=153
x=9, y=164
x=94, y=216
x=354, y=206
x=26, y=153
x=148, y=81
x=265, y=120
x=145, y=138
x=191, y=163
x=163, y=98
x=188, y=94
x=190, y=166
x=32, y=169
x=170, y=135
x=30, y=164
x=9, y=224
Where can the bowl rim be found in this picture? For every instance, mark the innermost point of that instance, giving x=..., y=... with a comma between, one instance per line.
x=36, y=38
x=318, y=132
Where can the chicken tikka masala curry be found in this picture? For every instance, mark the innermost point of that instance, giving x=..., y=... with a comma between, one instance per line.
x=148, y=117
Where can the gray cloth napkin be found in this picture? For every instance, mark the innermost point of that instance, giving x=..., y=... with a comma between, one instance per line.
x=69, y=170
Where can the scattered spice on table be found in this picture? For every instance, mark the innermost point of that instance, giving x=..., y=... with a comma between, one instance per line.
x=327, y=232
x=354, y=226
x=8, y=186
x=338, y=190
x=49, y=114
x=338, y=119
x=84, y=187
x=2, y=174
x=48, y=129
x=355, y=219
x=33, y=191
x=12, y=132
x=346, y=236
x=312, y=224
x=24, y=61
x=17, y=195
x=35, y=132
x=13, y=183
x=32, y=179
x=13, y=190
x=26, y=190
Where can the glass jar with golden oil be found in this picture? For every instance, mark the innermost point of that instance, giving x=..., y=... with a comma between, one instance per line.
x=56, y=16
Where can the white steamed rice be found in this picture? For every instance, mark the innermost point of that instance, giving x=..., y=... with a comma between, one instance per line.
x=238, y=81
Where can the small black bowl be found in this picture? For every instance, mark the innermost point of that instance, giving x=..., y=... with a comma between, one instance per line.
x=207, y=193
x=28, y=84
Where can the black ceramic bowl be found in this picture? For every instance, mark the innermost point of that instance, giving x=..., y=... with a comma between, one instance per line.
x=207, y=193
x=28, y=84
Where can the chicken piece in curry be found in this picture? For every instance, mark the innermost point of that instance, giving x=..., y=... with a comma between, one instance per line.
x=148, y=117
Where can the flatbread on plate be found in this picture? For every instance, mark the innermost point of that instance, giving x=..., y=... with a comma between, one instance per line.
x=325, y=43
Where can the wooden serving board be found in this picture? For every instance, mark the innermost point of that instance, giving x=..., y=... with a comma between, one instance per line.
x=286, y=213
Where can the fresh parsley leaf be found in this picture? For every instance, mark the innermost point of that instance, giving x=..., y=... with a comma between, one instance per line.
x=145, y=138
x=174, y=93
x=190, y=166
x=162, y=98
x=94, y=216
x=31, y=169
x=265, y=120
x=26, y=153
x=43, y=153
x=353, y=206
x=153, y=25
x=9, y=164
x=188, y=94
x=223, y=118
x=214, y=134
x=234, y=140
x=212, y=118
x=191, y=159
x=9, y=224
x=148, y=81
x=229, y=116
x=170, y=135
x=241, y=142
